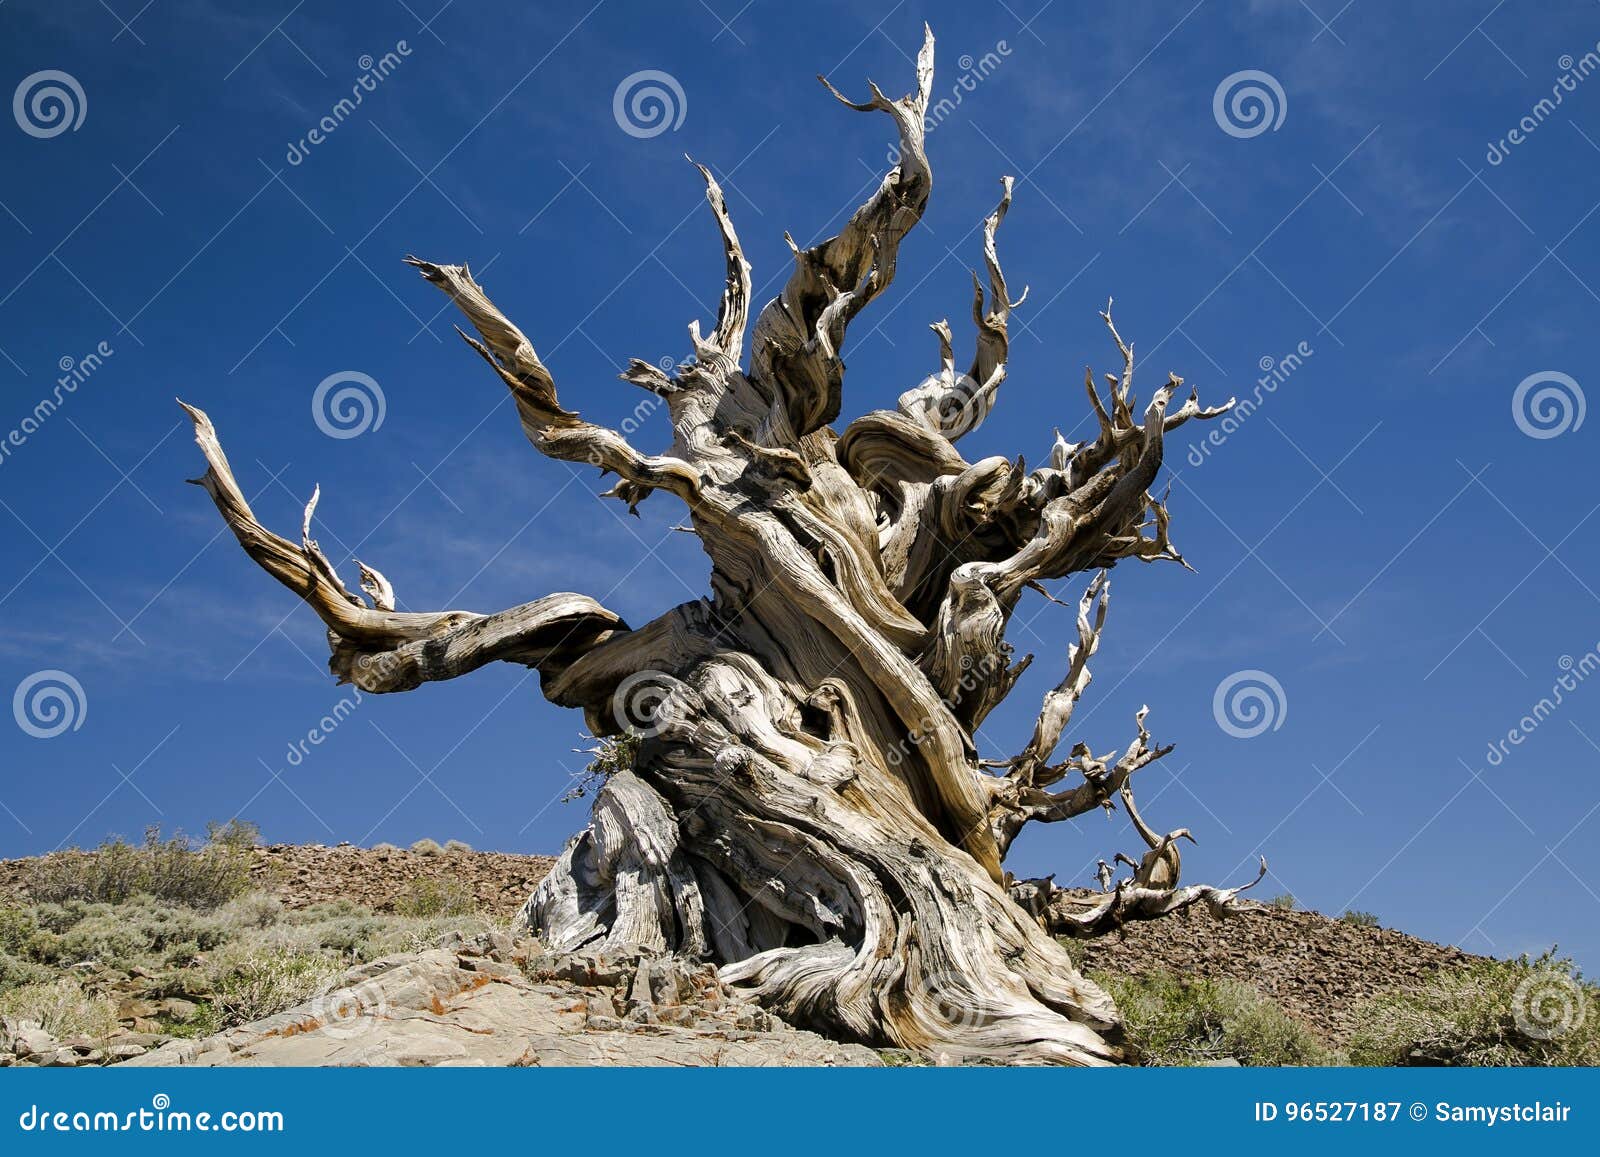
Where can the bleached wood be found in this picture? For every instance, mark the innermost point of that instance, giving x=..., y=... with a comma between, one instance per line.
x=805, y=804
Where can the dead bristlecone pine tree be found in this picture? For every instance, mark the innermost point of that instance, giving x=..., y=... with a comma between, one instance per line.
x=805, y=805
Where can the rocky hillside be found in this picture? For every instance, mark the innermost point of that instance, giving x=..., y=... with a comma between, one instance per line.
x=305, y=874
x=1317, y=969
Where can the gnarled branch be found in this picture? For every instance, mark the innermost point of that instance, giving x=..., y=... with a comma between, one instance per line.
x=554, y=431
x=1059, y=703
x=1064, y=916
x=954, y=405
x=799, y=335
x=302, y=567
x=727, y=341
x=378, y=648
x=1016, y=804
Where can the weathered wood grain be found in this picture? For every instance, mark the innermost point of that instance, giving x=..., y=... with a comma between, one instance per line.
x=806, y=806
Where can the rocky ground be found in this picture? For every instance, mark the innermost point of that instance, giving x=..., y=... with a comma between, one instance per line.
x=305, y=874
x=492, y=998
x=1317, y=969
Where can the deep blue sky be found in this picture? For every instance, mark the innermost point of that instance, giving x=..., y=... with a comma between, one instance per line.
x=1380, y=536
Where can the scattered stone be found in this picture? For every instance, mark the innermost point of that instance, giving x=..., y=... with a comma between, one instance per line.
x=302, y=875
x=31, y=1040
x=1319, y=970
x=179, y=1009
x=448, y=1006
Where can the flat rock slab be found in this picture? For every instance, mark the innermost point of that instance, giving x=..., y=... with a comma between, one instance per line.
x=495, y=1004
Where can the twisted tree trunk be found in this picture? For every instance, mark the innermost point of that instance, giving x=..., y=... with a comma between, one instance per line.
x=804, y=803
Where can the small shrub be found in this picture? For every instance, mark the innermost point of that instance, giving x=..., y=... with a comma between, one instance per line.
x=251, y=957
x=1074, y=950
x=98, y=941
x=15, y=973
x=425, y=898
x=350, y=936
x=142, y=927
x=456, y=846
x=25, y=947
x=1181, y=1021
x=1286, y=902
x=204, y=1022
x=427, y=848
x=58, y=917
x=236, y=835
x=249, y=985
x=608, y=756
x=62, y=1008
x=18, y=927
x=128, y=933
x=327, y=910
x=1360, y=919
x=1494, y=1012
x=386, y=848
x=252, y=910
x=902, y=1059
x=174, y=870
